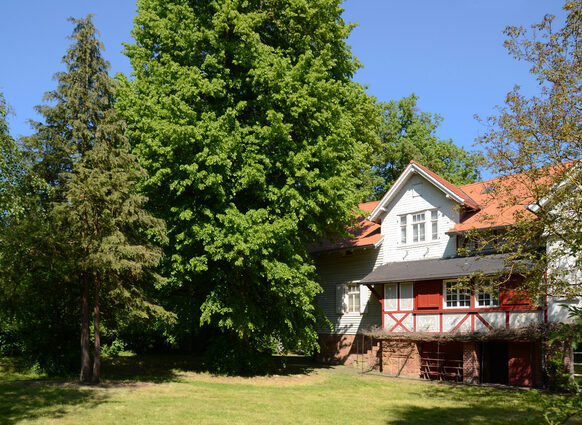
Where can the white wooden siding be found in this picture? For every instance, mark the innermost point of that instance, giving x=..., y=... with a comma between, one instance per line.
x=406, y=203
x=337, y=268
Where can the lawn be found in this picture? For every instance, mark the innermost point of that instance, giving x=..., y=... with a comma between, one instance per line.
x=171, y=390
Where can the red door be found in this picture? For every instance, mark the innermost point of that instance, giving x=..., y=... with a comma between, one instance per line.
x=520, y=363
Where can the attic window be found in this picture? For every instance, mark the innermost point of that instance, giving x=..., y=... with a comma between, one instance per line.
x=488, y=189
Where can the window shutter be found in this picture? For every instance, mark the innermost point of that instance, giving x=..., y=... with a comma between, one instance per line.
x=428, y=294
x=364, y=298
x=340, y=298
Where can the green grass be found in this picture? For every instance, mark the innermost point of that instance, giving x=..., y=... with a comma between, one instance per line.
x=172, y=390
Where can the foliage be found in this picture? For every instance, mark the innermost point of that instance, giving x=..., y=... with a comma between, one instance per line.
x=558, y=378
x=255, y=138
x=534, y=144
x=560, y=409
x=35, y=317
x=407, y=134
x=86, y=236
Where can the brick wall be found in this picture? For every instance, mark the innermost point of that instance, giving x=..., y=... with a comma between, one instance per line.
x=347, y=349
x=400, y=358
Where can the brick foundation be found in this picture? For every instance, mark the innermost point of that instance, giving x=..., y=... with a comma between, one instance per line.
x=400, y=358
x=348, y=349
x=470, y=363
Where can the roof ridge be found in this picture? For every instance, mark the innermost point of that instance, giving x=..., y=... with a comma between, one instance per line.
x=447, y=183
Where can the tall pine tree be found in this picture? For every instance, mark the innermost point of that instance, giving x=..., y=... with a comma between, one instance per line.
x=255, y=137
x=82, y=154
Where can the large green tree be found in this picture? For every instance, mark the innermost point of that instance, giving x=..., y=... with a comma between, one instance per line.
x=82, y=155
x=255, y=138
x=407, y=134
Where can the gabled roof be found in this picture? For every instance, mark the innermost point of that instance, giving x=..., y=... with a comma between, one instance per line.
x=449, y=189
x=490, y=203
x=367, y=234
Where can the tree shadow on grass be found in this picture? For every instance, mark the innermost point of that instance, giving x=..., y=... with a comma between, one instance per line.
x=159, y=368
x=20, y=400
x=472, y=405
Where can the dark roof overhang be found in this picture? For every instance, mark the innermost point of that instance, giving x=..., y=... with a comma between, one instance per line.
x=448, y=268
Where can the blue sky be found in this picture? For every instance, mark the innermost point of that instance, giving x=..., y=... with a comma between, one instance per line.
x=448, y=52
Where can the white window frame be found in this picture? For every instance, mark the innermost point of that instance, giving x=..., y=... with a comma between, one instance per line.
x=403, y=221
x=418, y=224
x=434, y=224
x=391, y=297
x=408, y=227
x=494, y=299
x=457, y=292
x=400, y=298
x=355, y=294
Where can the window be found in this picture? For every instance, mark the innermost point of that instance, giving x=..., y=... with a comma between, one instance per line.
x=456, y=297
x=406, y=296
x=422, y=226
x=418, y=227
x=486, y=299
x=434, y=220
x=353, y=294
x=390, y=296
x=403, y=229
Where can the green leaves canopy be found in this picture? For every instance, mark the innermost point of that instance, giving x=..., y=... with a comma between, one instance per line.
x=255, y=138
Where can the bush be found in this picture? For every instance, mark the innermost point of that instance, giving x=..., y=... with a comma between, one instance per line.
x=559, y=380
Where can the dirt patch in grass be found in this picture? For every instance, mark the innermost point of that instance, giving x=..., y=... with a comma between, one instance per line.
x=274, y=380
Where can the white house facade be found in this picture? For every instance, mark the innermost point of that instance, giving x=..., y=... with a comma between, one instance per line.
x=393, y=292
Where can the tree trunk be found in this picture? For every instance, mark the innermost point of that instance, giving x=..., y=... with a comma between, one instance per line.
x=97, y=333
x=85, y=357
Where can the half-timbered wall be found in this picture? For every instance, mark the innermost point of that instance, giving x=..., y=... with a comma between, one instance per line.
x=427, y=311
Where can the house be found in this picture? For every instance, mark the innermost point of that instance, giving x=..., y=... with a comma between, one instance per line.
x=393, y=295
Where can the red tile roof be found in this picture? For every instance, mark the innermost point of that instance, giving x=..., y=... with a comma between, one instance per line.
x=491, y=203
x=499, y=198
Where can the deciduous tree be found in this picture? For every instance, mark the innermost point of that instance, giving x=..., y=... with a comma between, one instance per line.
x=256, y=138
x=535, y=143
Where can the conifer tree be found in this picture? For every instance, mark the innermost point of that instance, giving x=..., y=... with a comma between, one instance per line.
x=81, y=153
x=255, y=137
